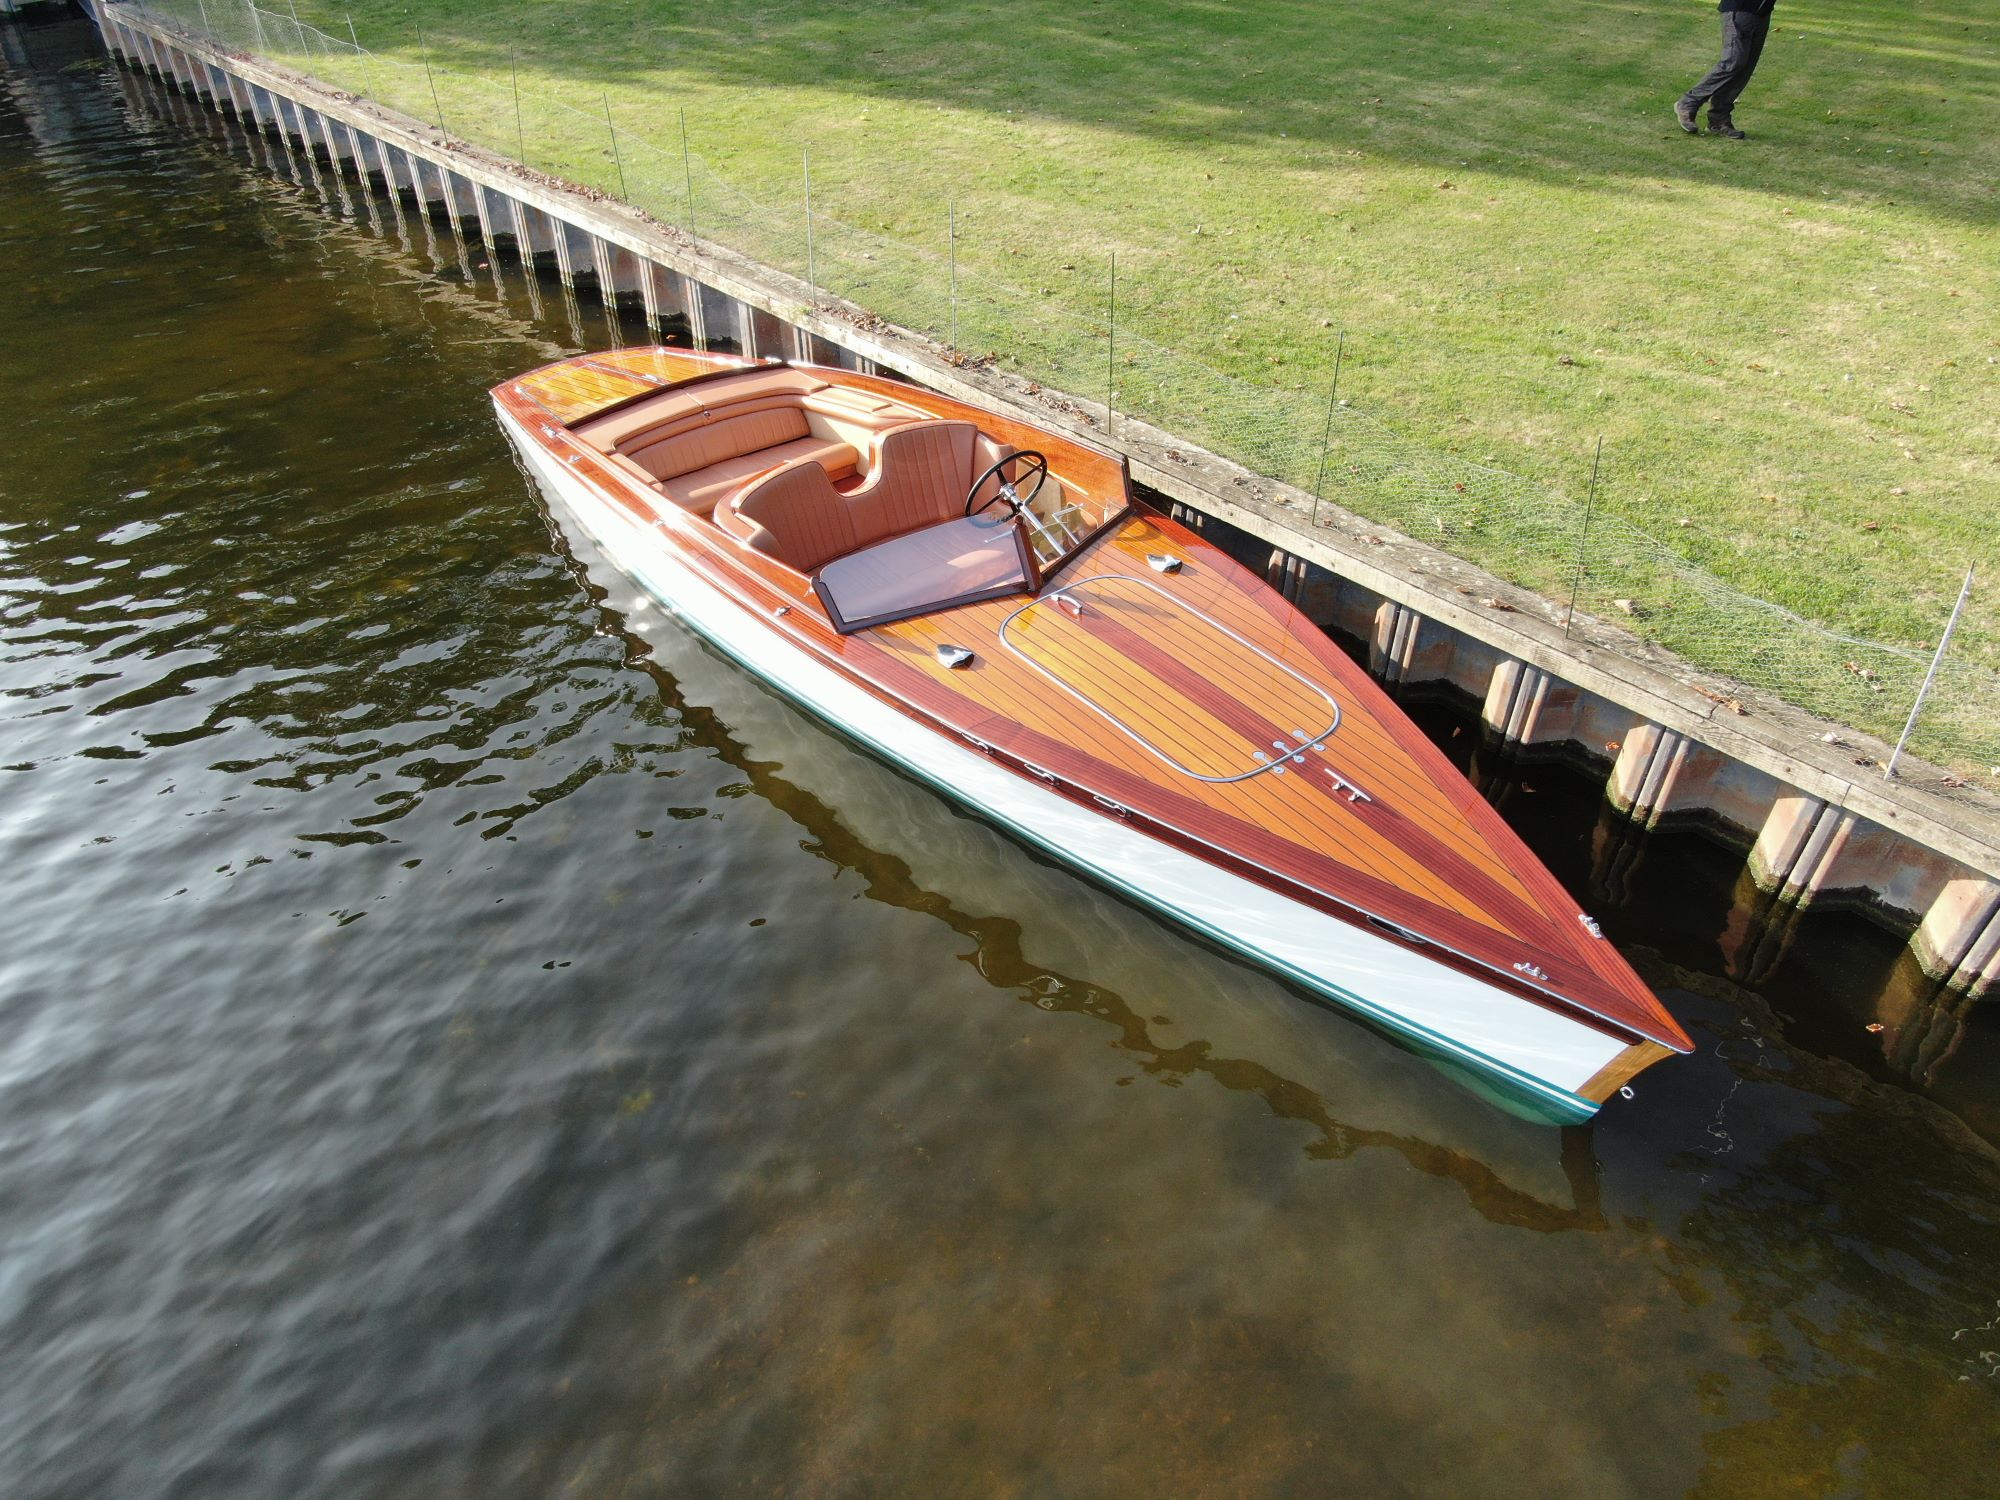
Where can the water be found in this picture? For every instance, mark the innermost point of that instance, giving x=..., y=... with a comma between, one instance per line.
x=457, y=1037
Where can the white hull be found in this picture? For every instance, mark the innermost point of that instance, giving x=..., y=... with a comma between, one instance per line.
x=1533, y=1052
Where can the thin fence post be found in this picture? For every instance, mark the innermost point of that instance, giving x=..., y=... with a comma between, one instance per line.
x=354, y=37
x=812, y=268
x=1111, y=353
x=520, y=131
x=1326, y=436
x=687, y=166
x=206, y=29
x=1583, y=540
x=951, y=211
x=298, y=26
x=616, y=160
x=1964, y=591
x=425, y=48
x=257, y=27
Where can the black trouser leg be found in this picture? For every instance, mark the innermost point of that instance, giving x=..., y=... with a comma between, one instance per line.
x=1751, y=47
x=1742, y=44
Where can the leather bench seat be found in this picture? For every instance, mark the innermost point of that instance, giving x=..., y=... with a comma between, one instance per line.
x=698, y=491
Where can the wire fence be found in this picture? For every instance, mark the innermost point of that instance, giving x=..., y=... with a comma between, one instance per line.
x=1316, y=442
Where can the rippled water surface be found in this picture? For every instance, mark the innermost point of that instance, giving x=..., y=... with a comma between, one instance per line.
x=457, y=1037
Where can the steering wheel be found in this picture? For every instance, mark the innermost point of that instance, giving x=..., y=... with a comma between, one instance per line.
x=1009, y=490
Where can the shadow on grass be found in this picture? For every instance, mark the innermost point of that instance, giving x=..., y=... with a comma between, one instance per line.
x=1854, y=101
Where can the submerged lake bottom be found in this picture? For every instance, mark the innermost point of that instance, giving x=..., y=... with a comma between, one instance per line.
x=460, y=1036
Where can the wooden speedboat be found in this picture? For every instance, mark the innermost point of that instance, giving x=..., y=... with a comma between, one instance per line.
x=982, y=603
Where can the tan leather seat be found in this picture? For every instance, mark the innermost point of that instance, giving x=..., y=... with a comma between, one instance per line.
x=919, y=477
x=794, y=515
x=699, y=491
x=712, y=441
x=634, y=425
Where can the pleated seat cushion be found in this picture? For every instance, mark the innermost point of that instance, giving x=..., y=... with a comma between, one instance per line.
x=794, y=515
x=700, y=490
x=717, y=441
x=919, y=478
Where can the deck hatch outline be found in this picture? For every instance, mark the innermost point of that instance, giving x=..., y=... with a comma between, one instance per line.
x=1288, y=752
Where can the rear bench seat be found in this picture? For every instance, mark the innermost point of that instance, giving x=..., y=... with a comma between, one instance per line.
x=698, y=445
x=697, y=469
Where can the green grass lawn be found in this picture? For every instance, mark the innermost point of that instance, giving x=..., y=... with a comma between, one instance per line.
x=1788, y=343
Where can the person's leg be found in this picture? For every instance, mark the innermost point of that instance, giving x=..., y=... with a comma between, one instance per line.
x=1717, y=78
x=1750, y=47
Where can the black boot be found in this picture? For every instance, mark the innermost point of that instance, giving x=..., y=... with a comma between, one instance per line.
x=1725, y=126
x=1684, y=112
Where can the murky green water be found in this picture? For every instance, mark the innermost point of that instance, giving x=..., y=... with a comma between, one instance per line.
x=457, y=1037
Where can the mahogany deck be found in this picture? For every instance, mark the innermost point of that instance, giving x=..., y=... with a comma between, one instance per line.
x=1176, y=703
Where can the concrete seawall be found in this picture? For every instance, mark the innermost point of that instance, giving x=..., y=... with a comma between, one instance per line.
x=1817, y=823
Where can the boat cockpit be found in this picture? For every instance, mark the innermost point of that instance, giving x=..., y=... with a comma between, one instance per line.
x=888, y=509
